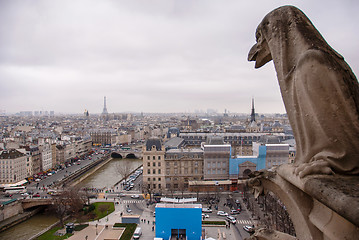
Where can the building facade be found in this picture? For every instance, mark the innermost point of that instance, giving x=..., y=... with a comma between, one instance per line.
x=216, y=161
x=12, y=166
x=46, y=157
x=153, y=166
x=182, y=166
x=103, y=137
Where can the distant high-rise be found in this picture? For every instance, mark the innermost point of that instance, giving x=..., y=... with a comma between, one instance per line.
x=253, y=114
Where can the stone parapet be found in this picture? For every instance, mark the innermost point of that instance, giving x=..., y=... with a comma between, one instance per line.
x=320, y=206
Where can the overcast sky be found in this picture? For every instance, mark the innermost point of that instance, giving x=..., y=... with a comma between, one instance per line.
x=150, y=55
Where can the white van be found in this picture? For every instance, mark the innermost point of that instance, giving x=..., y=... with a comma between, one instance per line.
x=137, y=234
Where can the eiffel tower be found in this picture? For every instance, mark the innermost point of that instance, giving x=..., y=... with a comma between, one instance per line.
x=104, y=111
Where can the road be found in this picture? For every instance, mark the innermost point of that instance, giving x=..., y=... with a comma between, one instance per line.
x=47, y=181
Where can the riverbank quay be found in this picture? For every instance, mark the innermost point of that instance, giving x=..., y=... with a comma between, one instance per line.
x=81, y=174
x=12, y=221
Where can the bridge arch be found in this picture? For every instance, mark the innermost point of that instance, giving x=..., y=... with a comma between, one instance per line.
x=116, y=155
x=131, y=156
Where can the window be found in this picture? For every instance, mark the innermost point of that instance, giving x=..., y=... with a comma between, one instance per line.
x=196, y=170
x=154, y=157
x=159, y=179
x=154, y=179
x=148, y=171
x=168, y=185
x=154, y=171
x=159, y=164
x=154, y=164
x=148, y=164
x=175, y=185
x=159, y=157
x=159, y=171
x=159, y=185
x=148, y=157
x=148, y=179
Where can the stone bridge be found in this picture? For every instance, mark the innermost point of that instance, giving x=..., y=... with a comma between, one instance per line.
x=35, y=202
x=127, y=154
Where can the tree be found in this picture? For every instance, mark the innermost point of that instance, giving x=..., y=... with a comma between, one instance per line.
x=196, y=187
x=69, y=202
x=148, y=188
x=88, y=194
x=124, y=168
x=182, y=185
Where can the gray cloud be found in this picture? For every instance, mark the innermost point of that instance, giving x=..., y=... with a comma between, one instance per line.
x=151, y=56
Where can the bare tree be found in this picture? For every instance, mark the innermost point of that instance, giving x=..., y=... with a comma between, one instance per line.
x=171, y=189
x=196, y=187
x=88, y=194
x=182, y=185
x=69, y=202
x=124, y=168
x=148, y=188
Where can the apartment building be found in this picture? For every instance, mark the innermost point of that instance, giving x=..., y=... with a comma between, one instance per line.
x=153, y=165
x=103, y=136
x=12, y=166
x=46, y=157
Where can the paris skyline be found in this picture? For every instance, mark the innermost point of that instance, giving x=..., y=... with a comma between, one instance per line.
x=161, y=56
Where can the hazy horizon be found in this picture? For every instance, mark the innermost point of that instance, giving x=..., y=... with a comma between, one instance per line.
x=149, y=56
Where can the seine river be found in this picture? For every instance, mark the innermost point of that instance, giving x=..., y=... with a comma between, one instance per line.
x=109, y=175
x=105, y=177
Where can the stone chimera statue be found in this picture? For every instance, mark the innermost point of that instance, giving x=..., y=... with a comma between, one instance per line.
x=319, y=90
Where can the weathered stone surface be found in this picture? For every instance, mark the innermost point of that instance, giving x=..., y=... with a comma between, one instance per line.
x=263, y=234
x=320, y=206
x=319, y=90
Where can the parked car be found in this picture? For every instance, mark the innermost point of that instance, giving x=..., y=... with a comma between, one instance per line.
x=129, y=210
x=222, y=213
x=36, y=195
x=248, y=228
x=232, y=219
x=233, y=211
x=205, y=215
x=206, y=210
x=122, y=195
x=135, y=196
